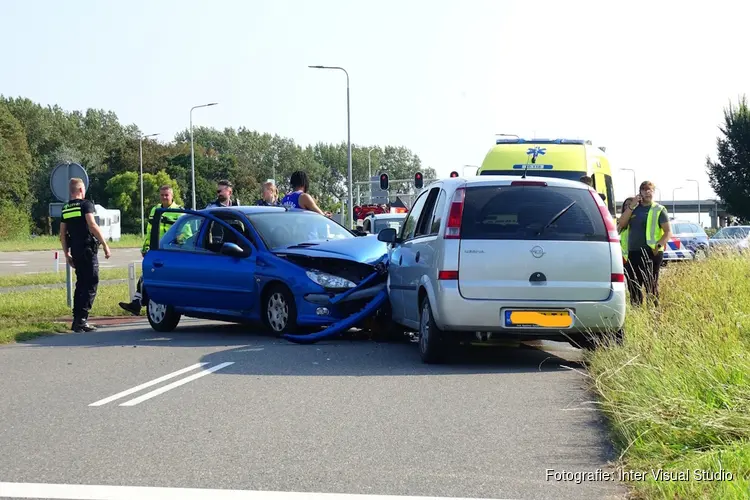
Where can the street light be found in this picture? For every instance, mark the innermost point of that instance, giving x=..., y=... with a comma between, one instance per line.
x=698, y=186
x=192, y=148
x=369, y=170
x=350, y=213
x=140, y=156
x=635, y=190
x=674, y=209
x=659, y=191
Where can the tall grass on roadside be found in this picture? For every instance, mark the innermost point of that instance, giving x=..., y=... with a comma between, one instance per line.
x=677, y=393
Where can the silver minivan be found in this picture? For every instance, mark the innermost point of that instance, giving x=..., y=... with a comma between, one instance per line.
x=497, y=257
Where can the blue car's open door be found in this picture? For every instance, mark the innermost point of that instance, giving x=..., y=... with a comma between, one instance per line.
x=204, y=261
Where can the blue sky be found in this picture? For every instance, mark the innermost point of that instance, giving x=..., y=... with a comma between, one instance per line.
x=646, y=79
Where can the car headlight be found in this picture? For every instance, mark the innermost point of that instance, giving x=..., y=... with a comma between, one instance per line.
x=329, y=280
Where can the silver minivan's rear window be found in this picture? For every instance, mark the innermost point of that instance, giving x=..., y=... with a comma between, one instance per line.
x=522, y=212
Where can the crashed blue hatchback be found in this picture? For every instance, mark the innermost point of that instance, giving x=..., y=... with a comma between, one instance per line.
x=293, y=270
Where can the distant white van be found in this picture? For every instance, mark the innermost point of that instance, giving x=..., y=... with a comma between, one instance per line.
x=109, y=222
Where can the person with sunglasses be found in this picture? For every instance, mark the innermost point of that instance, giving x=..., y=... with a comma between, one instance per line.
x=224, y=195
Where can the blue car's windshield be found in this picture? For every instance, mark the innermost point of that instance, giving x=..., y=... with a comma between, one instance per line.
x=283, y=229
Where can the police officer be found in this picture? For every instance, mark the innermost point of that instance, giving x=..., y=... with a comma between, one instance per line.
x=167, y=220
x=224, y=190
x=269, y=195
x=80, y=237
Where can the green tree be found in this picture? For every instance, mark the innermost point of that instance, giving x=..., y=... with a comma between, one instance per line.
x=730, y=175
x=15, y=172
x=124, y=193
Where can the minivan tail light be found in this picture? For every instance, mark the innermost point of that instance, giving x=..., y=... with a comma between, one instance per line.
x=612, y=235
x=453, y=226
x=618, y=278
x=448, y=275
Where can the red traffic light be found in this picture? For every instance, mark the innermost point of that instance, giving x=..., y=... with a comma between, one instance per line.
x=384, y=181
x=454, y=174
x=418, y=181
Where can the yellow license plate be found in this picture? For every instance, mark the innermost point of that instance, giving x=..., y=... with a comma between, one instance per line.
x=546, y=319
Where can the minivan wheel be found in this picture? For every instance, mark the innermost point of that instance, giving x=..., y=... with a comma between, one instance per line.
x=431, y=338
x=162, y=318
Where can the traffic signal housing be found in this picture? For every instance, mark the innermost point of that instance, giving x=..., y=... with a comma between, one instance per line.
x=418, y=180
x=384, y=182
x=454, y=174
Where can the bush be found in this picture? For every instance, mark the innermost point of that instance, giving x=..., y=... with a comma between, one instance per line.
x=677, y=393
x=14, y=222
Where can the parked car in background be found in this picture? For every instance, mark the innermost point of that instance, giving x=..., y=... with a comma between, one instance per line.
x=734, y=238
x=373, y=224
x=243, y=264
x=692, y=237
x=501, y=257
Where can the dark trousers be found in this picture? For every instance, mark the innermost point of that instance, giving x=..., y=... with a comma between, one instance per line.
x=642, y=271
x=86, y=261
x=140, y=292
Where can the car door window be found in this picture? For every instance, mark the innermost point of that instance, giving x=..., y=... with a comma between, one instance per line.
x=437, y=217
x=410, y=224
x=217, y=234
x=183, y=235
x=424, y=224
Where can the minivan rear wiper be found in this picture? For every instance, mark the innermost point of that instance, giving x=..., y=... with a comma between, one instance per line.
x=557, y=216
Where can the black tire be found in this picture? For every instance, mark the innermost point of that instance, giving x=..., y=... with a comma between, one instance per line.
x=279, y=310
x=432, y=340
x=162, y=318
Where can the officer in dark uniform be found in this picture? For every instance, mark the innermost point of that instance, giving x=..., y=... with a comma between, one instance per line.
x=80, y=237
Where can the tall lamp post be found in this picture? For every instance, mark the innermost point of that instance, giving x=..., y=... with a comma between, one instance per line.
x=369, y=170
x=674, y=209
x=635, y=190
x=350, y=214
x=192, y=148
x=140, y=159
x=698, y=186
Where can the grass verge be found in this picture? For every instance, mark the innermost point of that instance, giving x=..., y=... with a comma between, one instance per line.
x=677, y=393
x=46, y=242
x=15, y=280
x=29, y=314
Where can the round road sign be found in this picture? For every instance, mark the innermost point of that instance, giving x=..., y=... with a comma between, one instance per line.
x=61, y=176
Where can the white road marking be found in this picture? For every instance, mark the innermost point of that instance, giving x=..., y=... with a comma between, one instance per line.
x=99, y=492
x=169, y=387
x=14, y=262
x=147, y=384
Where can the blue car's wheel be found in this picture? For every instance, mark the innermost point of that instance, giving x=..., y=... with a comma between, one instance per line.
x=279, y=310
x=162, y=318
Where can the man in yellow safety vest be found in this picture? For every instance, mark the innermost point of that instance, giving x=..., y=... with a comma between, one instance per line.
x=648, y=231
x=165, y=223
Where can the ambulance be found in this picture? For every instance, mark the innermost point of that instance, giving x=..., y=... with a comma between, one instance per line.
x=560, y=158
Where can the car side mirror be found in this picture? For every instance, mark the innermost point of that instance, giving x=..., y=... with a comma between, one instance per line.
x=387, y=235
x=232, y=250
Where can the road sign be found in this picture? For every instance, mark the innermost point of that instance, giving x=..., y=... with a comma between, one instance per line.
x=377, y=196
x=61, y=176
x=55, y=210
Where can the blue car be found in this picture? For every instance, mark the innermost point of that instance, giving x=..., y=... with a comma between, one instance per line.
x=252, y=264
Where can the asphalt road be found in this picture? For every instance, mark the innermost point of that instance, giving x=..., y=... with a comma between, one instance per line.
x=44, y=261
x=352, y=417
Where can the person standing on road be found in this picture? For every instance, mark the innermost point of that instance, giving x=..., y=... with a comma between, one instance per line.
x=269, y=195
x=80, y=237
x=224, y=190
x=299, y=197
x=166, y=194
x=647, y=223
x=625, y=249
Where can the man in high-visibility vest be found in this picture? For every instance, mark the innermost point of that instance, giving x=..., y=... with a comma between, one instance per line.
x=167, y=220
x=648, y=231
